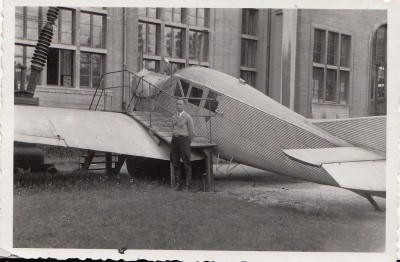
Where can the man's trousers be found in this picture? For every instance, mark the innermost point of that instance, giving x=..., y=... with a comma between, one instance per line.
x=180, y=148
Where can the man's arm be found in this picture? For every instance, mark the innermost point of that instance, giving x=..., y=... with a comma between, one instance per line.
x=190, y=128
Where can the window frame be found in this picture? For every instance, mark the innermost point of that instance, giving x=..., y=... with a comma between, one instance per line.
x=337, y=67
x=91, y=26
x=91, y=86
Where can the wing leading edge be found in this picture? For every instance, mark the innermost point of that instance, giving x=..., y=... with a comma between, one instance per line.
x=93, y=130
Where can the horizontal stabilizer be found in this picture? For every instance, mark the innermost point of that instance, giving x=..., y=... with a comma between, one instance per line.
x=319, y=156
x=363, y=176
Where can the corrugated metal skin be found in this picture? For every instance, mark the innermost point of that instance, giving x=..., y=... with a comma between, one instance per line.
x=254, y=129
x=365, y=131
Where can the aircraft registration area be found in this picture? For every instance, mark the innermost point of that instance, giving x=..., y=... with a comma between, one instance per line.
x=232, y=120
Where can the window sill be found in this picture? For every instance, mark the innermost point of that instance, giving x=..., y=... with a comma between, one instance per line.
x=70, y=90
x=329, y=104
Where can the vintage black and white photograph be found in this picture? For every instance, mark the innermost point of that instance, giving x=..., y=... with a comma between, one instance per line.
x=200, y=128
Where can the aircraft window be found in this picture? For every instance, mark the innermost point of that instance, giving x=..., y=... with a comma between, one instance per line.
x=211, y=104
x=195, y=93
x=178, y=92
x=185, y=87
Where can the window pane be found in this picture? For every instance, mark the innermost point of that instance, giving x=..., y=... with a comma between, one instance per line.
x=319, y=37
x=97, y=31
x=85, y=29
x=249, y=21
x=317, y=91
x=211, y=104
x=381, y=88
x=345, y=51
x=380, y=44
x=344, y=87
x=32, y=23
x=330, y=91
x=332, y=48
x=19, y=22
x=150, y=65
x=85, y=69
x=192, y=44
x=185, y=87
x=66, y=67
x=29, y=55
x=168, y=35
x=195, y=93
x=19, y=60
x=178, y=33
x=66, y=27
x=248, y=53
x=150, y=40
x=141, y=37
x=249, y=77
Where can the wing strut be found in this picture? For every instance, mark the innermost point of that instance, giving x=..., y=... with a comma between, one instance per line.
x=373, y=202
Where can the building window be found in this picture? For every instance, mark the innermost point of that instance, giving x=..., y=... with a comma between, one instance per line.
x=150, y=12
x=198, y=46
x=173, y=42
x=147, y=35
x=345, y=51
x=151, y=65
x=248, y=53
x=63, y=27
x=23, y=57
x=249, y=21
x=171, y=68
x=197, y=17
x=331, y=67
x=27, y=22
x=249, y=77
x=332, y=48
x=319, y=40
x=378, y=96
x=91, y=69
x=91, y=30
x=59, y=67
x=173, y=14
x=317, y=84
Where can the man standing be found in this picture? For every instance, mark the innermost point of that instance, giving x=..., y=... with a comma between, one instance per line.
x=182, y=136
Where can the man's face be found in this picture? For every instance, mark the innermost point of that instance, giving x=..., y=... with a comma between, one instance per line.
x=179, y=105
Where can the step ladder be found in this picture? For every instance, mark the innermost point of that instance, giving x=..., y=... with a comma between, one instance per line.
x=93, y=161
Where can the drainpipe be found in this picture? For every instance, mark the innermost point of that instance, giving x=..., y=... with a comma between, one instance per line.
x=123, y=57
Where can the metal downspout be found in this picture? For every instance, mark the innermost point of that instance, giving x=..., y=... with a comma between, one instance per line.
x=123, y=57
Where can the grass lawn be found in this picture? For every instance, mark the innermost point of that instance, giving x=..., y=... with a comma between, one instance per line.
x=91, y=211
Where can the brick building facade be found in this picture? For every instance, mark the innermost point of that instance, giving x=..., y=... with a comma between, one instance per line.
x=319, y=63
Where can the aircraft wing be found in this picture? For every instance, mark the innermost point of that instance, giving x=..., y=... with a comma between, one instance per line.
x=353, y=168
x=93, y=130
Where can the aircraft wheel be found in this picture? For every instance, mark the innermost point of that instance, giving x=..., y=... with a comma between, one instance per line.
x=133, y=166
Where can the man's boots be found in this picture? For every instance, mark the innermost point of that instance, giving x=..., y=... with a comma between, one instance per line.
x=178, y=181
x=188, y=182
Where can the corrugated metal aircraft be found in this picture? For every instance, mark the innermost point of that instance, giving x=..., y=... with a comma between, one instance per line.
x=249, y=128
